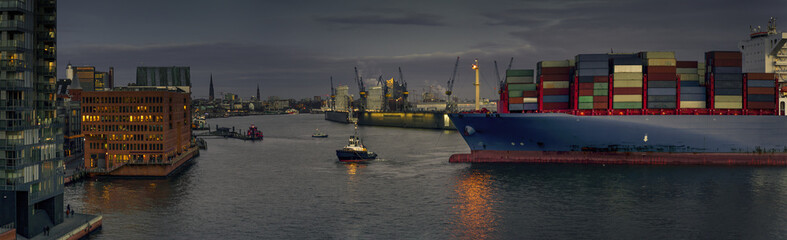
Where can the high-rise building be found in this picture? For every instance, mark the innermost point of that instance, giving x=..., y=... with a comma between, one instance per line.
x=31, y=137
x=90, y=79
x=164, y=76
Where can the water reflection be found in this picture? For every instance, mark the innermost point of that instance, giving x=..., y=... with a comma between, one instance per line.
x=123, y=195
x=474, y=209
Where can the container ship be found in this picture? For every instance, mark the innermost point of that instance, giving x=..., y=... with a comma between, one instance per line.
x=641, y=108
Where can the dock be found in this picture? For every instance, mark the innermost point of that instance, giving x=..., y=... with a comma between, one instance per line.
x=227, y=133
x=73, y=227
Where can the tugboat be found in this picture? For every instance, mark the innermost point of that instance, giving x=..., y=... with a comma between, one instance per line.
x=318, y=134
x=355, y=151
x=253, y=133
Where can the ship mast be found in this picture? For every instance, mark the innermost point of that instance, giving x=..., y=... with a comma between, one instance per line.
x=477, y=88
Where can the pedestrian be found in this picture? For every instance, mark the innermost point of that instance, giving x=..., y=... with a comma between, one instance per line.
x=68, y=209
x=46, y=231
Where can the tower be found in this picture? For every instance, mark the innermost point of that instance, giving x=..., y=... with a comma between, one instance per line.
x=258, y=91
x=211, y=88
x=31, y=186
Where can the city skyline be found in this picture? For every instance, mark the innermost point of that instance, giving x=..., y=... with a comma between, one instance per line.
x=292, y=50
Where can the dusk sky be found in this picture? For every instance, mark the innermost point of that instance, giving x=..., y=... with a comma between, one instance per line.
x=292, y=48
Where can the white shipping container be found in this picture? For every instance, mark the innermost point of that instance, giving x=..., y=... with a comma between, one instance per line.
x=627, y=69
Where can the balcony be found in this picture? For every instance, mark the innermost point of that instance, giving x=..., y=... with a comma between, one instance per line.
x=13, y=6
x=13, y=84
x=12, y=25
x=10, y=184
x=12, y=45
x=12, y=65
x=48, y=4
x=46, y=71
x=47, y=20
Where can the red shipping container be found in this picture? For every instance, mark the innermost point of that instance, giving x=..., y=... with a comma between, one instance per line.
x=555, y=77
x=586, y=92
x=556, y=70
x=661, y=69
x=530, y=94
x=727, y=63
x=602, y=105
x=724, y=55
x=761, y=76
x=761, y=105
x=600, y=99
x=762, y=90
x=662, y=77
x=555, y=105
x=556, y=91
x=586, y=86
x=627, y=91
x=686, y=64
x=600, y=79
x=516, y=100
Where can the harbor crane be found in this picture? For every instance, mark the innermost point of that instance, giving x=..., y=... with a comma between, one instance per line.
x=449, y=107
x=405, y=93
x=361, y=88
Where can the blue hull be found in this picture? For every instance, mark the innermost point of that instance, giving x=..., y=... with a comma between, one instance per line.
x=555, y=132
x=354, y=155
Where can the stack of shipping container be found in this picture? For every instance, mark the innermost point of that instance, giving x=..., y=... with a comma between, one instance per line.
x=661, y=71
x=592, y=73
x=626, y=82
x=724, y=71
x=692, y=94
x=555, y=77
x=522, y=94
x=761, y=91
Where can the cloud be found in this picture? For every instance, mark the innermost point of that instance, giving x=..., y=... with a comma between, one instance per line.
x=401, y=18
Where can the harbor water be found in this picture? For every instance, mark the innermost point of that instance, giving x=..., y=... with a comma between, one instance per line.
x=291, y=186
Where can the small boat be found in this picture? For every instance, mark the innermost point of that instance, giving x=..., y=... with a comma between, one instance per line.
x=291, y=111
x=318, y=134
x=355, y=151
x=253, y=133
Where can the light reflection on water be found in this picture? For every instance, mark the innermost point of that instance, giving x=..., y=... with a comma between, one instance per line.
x=475, y=206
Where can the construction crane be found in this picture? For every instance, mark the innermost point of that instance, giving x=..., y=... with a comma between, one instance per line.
x=448, y=106
x=405, y=93
x=333, y=95
x=499, y=80
x=361, y=88
x=509, y=63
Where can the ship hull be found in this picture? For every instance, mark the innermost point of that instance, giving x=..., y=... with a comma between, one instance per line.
x=354, y=156
x=624, y=139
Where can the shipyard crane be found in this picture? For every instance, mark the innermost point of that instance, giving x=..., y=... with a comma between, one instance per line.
x=361, y=88
x=509, y=63
x=333, y=95
x=405, y=93
x=448, y=106
x=500, y=81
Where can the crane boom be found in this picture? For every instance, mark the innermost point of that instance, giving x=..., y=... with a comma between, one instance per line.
x=509, y=63
x=451, y=80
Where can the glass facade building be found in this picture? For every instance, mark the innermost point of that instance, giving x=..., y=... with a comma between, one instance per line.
x=31, y=137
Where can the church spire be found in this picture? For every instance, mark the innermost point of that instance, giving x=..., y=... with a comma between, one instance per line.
x=258, y=92
x=211, y=87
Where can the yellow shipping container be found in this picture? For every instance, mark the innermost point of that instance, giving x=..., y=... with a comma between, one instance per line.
x=689, y=77
x=627, y=98
x=661, y=62
x=627, y=69
x=627, y=76
x=651, y=55
x=530, y=100
x=729, y=105
x=692, y=104
x=555, y=84
x=626, y=83
x=733, y=99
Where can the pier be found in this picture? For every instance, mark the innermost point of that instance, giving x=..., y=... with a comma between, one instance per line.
x=227, y=133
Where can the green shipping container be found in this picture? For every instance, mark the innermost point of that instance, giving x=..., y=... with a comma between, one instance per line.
x=585, y=105
x=722, y=98
x=521, y=87
x=514, y=94
x=627, y=105
x=585, y=99
x=627, y=98
x=510, y=79
x=604, y=92
x=686, y=70
x=519, y=73
x=601, y=86
x=728, y=105
x=689, y=77
x=661, y=62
